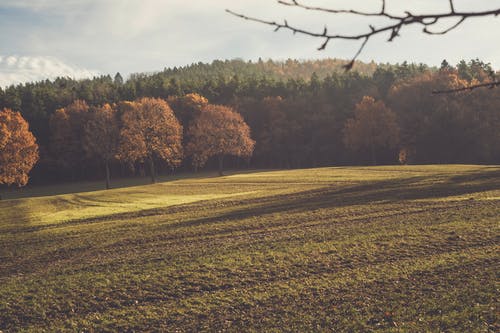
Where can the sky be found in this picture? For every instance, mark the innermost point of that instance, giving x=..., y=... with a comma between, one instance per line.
x=42, y=39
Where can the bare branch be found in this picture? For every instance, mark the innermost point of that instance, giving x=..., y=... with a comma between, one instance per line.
x=427, y=31
x=349, y=65
x=293, y=3
x=490, y=85
x=393, y=27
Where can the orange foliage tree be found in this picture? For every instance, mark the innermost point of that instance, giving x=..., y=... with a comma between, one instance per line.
x=374, y=126
x=18, y=148
x=429, y=122
x=187, y=107
x=218, y=131
x=66, y=126
x=150, y=130
x=101, y=136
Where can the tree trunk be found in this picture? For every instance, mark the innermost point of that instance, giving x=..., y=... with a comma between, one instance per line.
x=221, y=159
x=106, y=165
x=82, y=170
x=152, y=170
x=372, y=152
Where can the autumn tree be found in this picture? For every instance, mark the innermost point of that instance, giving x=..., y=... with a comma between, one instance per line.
x=67, y=130
x=101, y=136
x=374, y=126
x=18, y=149
x=150, y=131
x=430, y=124
x=218, y=131
x=480, y=116
x=187, y=107
x=273, y=139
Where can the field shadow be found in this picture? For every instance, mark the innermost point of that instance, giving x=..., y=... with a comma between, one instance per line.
x=334, y=195
x=394, y=190
x=31, y=191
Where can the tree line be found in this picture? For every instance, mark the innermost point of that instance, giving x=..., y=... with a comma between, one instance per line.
x=144, y=131
x=380, y=114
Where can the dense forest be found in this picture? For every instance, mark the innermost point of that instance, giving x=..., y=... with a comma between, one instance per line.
x=300, y=113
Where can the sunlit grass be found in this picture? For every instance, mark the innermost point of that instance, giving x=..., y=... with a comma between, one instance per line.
x=71, y=207
x=395, y=248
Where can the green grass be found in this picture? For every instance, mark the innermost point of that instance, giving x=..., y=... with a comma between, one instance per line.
x=390, y=249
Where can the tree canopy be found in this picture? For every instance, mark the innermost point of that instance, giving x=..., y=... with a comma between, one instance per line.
x=218, y=131
x=296, y=110
x=374, y=126
x=102, y=136
x=67, y=131
x=150, y=131
x=18, y=149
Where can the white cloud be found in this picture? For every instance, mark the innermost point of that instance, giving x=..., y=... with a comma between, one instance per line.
x=19, y=69
x=148, y=35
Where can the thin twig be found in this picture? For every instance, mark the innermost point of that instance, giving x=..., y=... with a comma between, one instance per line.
x=338, y=11
x=396, y=23
x=490, y=85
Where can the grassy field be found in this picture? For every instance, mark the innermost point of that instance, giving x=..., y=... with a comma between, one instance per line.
x=391, y=249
